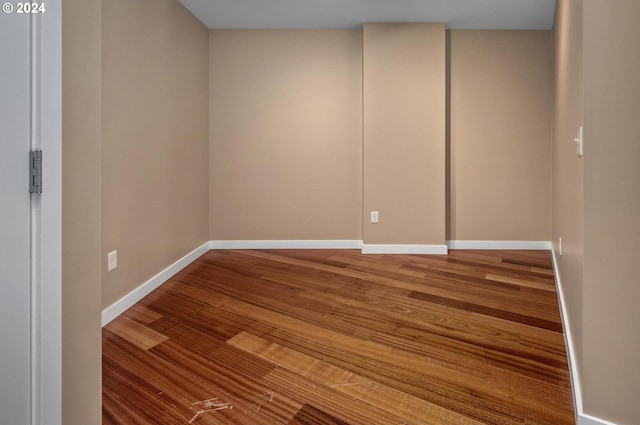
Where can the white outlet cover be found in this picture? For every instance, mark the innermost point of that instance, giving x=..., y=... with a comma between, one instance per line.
x=112, y=260
x=374, y=216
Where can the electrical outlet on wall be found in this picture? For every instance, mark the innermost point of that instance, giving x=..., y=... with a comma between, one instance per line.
x=374, y=216
x=112, y=260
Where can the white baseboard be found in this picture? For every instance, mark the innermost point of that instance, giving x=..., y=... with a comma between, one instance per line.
x=403, y=249
x=117, y=308
x=329, y=244
x=529, y=245
x=582, y=418
x=568, y=341
x=286, y=244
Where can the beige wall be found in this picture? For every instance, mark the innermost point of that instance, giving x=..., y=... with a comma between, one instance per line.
x=501, y=126
x=404, y=133
x=611, y=343
x=568, y=192
x=285, y=104
x=596, y=201
x=286, y=134
x=154, y=139
x=81, y=213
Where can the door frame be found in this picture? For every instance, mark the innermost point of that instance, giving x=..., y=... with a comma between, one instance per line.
x=46, y=217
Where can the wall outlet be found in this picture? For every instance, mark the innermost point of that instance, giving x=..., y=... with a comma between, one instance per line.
x=112, y=260
x=374, y=216
x=560, y=245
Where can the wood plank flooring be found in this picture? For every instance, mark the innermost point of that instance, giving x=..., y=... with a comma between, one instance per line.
x=334, y=337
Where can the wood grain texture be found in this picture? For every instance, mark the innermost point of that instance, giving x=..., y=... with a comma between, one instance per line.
x=310, y=415
x=336, y=337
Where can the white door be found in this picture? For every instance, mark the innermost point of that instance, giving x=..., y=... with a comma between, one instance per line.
x=15, y=213
x=30, y=284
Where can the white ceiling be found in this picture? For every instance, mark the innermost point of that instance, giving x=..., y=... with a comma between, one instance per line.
x=457, y=14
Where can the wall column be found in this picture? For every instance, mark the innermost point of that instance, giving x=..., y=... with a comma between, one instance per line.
x=404, y=137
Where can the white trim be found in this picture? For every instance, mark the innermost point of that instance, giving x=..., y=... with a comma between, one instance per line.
x=582, y=418
x=117, y=308
x=329, y=244
x=286, y=244
x=568, y=339
x=403, y=249
x=47, y=216
x=529, y=245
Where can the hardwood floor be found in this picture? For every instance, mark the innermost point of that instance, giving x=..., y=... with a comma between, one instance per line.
x=324, y=337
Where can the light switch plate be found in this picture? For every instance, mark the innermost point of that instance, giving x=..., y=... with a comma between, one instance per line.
x=580, y=142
